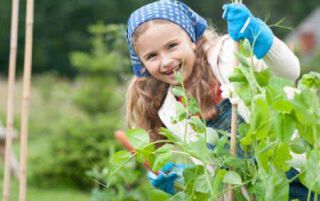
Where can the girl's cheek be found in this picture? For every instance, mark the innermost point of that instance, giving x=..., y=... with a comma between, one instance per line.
x=151, y=66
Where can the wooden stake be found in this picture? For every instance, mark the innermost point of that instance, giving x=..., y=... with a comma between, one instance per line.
x=25, y=100
x=10, y=103
x=234, y=123
x=233, y=143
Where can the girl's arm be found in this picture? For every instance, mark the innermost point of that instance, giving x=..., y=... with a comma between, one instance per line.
x=282, y=61
x=242, y=24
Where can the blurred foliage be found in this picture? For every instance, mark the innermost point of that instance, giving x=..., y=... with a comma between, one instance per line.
x=102, y=70
x=314, y=63
x=130, y=184
x=85, y=140
x=82, y=142
x=61, y=26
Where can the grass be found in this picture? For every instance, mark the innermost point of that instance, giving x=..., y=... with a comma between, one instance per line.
x=46, y=194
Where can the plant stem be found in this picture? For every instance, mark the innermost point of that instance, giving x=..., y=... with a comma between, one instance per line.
x=187, y=114
x=236, y=186
x=208, y=179
x=181, y=152
x=156, y=142
x=309, y=195
x=315, y=137
x=118, y=168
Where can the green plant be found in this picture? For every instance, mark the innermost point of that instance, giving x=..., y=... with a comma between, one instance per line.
x=277, y=108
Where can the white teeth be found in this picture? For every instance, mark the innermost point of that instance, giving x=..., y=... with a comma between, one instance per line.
x=174, y=69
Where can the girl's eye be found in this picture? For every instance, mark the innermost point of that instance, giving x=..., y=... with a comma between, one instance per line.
x=150, y=56
x=172, y=45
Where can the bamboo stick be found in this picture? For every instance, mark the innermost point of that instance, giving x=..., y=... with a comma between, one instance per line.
x=10, y=100
x=234, y=122
x=25, y=100
x=233, y=143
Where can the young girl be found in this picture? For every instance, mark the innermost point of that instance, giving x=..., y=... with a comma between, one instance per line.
x=167, y=36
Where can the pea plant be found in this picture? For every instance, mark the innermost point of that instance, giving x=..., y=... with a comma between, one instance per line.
x=282, y=133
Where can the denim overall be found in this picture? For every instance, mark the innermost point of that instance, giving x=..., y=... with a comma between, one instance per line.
x=223, y=122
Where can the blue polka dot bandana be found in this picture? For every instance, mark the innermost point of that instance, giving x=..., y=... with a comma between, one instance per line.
x=173, y=11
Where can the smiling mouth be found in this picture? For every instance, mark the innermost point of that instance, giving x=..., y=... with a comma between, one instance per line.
x=171, y=72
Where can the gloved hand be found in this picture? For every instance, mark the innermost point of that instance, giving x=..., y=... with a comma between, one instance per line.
x=167, y=176
x=242, y=24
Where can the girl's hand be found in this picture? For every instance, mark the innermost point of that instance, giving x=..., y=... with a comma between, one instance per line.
x=167, y=177
x=242, y=24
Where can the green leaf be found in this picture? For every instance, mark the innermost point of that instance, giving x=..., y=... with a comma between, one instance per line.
x=305, y=106
x=311, y=177
x=197, y=124
x=161, y=160
x=245, y=48
x=201, y=184
x=190, y=174
x=304, y=114
x=212, y=136
x=244, y=129
x=158, y=195
x=164, y=149
x=178, y=76
x=178, y=91
x=237, y=76
x=217, y=183
x=299, y=145
x=306, y=132
x=138, y=138
x=220, y=146
x=168, y=134
x=120, y=157
x=194, y=108
x=263, y=77
x=243, y=60
x=284, y=127
x=264, y=155
x=181, y=196
x=247, y=140
x=197, y=149
x=146, y=154
x=310, y=80
x=283, y=106
x=244, y=91
x=233, y=162
x=276, y=186
x=180, y=111
x=275, y=88
x=232, y=177
x=260, y=120
x=281, y=156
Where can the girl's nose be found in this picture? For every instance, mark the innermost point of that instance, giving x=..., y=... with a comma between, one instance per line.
x=166, y=62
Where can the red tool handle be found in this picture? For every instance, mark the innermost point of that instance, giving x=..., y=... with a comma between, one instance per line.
x=122, y=138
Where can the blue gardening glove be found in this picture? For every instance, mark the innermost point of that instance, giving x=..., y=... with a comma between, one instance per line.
x=242, y=24
x=167, y=176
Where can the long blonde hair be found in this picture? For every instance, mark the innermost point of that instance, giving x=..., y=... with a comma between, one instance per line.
x=145, y=95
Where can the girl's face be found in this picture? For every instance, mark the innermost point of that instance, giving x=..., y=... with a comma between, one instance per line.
x=163, y=48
